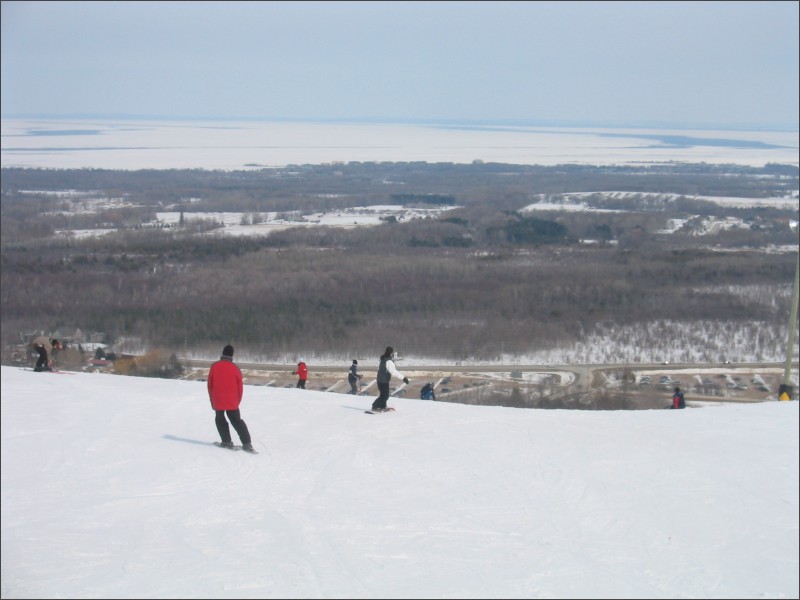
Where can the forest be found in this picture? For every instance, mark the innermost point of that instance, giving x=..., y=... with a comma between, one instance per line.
x=482, y=278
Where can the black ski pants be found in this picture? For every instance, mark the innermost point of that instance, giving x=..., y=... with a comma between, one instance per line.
x=238, y=424
x=41, y=364
x=383, y=396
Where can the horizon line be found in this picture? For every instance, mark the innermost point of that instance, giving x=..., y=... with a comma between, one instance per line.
x=787, y=128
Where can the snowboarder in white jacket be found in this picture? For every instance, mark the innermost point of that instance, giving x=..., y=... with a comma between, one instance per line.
x=385, y=371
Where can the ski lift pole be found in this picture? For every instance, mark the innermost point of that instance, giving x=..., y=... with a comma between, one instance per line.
x=786, y=391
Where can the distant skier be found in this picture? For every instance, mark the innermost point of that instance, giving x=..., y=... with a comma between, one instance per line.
x=427, y=393
x=386, y=369
x=678, y=400
x=302, y=373
x=353, y=376
x=45, y=348
x=225, y=390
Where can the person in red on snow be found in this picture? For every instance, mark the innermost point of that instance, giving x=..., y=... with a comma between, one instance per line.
x=302, y=373
x=678, y=401
x=225, y=390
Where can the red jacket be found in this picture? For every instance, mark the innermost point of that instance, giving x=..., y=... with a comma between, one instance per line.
x=302, y=371
x=225, y=387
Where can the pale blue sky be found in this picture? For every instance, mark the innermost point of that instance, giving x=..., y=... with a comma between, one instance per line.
x=722, y=64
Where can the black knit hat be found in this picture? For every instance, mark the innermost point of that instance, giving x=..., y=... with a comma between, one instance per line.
x=355, y=362
x=228, y=351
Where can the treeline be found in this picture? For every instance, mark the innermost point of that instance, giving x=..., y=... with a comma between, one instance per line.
x=331, y=186
x=277, y=296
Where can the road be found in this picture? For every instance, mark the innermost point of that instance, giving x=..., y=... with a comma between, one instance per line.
x=458, y=379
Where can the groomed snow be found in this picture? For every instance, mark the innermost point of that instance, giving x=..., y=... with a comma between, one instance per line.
x=111, y=489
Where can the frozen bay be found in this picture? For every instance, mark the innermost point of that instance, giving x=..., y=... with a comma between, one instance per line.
x=234, y=145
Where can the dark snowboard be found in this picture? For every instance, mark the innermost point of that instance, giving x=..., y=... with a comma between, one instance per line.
x=377, y=412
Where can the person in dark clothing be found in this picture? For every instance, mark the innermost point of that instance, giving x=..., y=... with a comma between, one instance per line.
x=427, y=393
x=42, y=363
x=45, y=348
x=386, y=369
x=678, y=400
x=225, y=390
x=353, y=376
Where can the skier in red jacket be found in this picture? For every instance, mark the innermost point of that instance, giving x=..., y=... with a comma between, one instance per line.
x=302, y=373
x=225, y=390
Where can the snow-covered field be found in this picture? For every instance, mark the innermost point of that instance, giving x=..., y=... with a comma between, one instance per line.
x=257, y=224
x=242, y=223
x=111, y=488
x=576, y=201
